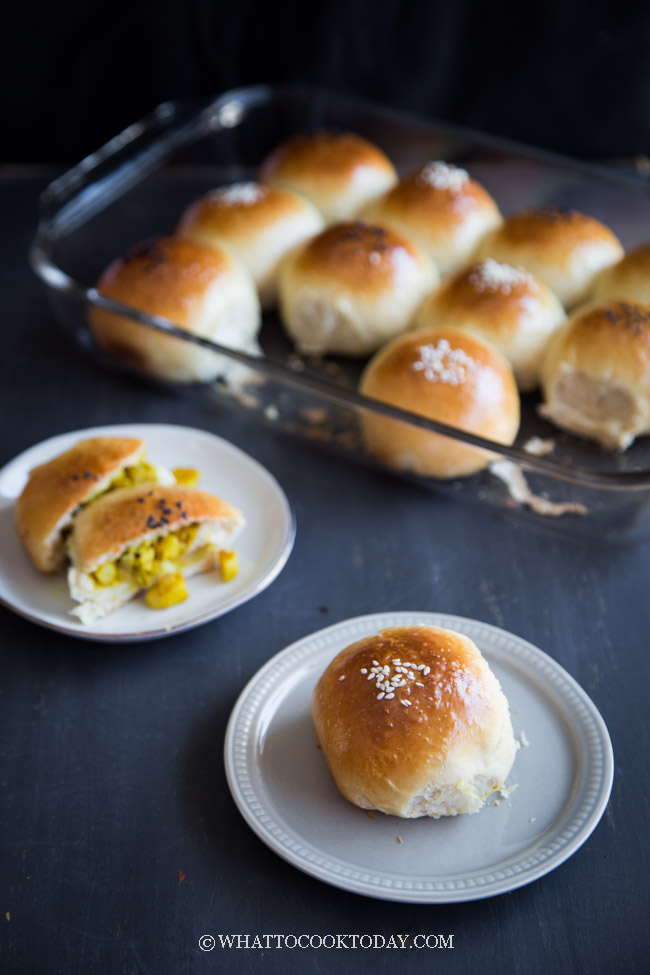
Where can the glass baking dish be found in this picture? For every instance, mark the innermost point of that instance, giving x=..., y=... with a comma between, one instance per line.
x=136, y=186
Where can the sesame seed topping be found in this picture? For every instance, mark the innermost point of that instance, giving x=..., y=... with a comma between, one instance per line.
x=380, y=695
x=342, y=677
x=239, y=194
x=494, y=277
x=440, y=363
x=375, y=663
x=443, y=176
x=140, y=500
x=364, y=670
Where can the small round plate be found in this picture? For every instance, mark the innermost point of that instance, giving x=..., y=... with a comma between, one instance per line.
x=263, y=546
x=279, y=780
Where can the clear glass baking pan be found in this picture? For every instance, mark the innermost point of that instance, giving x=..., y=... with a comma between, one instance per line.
x=136, y=186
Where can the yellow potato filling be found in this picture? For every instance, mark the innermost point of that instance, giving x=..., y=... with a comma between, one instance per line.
x=147, y=562
x=140, y=473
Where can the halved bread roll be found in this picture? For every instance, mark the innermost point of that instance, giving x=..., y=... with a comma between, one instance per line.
x=130, y=539
x=58, y=489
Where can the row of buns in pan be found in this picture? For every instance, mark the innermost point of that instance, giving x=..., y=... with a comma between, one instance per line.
x=357, y=258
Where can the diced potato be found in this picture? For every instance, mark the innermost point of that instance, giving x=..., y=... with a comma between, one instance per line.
x=187, y=476
x=145, y=554
x=229, y=565
x=168, y=548
x=106, y=574
x=168, y=591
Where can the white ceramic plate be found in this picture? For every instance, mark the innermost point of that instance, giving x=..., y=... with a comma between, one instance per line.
x=263, y=546
x=283, y=789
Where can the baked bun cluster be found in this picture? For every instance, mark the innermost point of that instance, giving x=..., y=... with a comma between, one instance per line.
x=339, y=172
x=201, y=289
x=123, y=525
x=449, y=375
x=352, y=287
x=258, y=225
x=596, y=375
x=442, y=209
x=564, y=248
x=412, y=722
x=506, y=305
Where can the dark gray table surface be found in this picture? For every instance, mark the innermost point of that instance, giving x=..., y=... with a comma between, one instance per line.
x=111, y=767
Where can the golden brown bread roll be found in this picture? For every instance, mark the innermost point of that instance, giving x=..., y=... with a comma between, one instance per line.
x=352, y=287
x=445, y=374
x=629, y=278
x=412, y=721
x=596, y=374
x=507, y=305
x=56, y=490
x=201, y=289
x=564, y=248
x=339, y=172
x=442, y=209
x=119, y=530
x=259, y=225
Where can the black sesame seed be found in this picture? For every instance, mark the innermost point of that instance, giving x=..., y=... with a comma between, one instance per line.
x=140, y=500
x=164, y=521
x=150, y=494
x=179, y=504
x=167, y=511
x=87, y=474
x=75, y=477
x=151, y=522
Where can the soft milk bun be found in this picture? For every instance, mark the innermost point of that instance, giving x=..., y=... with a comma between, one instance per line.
x=201, y=289
x=445, y=374
x=630, y=278
x=351, y=288
x=442, y=209
x=258, y=225
x=596, y=374
x=339, y=172
x=412, y=721
x=507, y=305
x=564, y=248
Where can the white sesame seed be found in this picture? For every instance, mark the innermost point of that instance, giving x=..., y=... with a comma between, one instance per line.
x=342, y=677
x=364, y=670
x=427, y=670
x=379, y=696
x=390, y=696
x=375, y=663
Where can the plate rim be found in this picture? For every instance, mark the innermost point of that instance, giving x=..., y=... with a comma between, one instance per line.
x=142, y=636
x=603, y=763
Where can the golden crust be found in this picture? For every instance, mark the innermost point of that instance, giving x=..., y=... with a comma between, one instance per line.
x=381, y=751
x=356, y=255
x=607, y=337
x=123, y=518
x=630, y=278
x=228, y=216
x=565, y=248
x=506, y=305
x=55, y=489
x=167, y=276
x=445, y=374
x=325, y=158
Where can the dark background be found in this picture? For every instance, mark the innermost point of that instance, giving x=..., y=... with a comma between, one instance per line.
x=572, y=76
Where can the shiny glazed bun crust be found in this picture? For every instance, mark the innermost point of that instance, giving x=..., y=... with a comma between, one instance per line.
x=445, y=374
x=339, y=172
x=412, y=721
x=596, y=374
x=629, y=279
x=258, y=225
x=200, y=289
x=442, y=209
x=506, y=305
x=565, y=248
x=352, y=287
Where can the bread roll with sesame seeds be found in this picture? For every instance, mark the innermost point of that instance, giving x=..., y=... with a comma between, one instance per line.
x=445, y=374
x=351, y=288
x=258, y=225
x=506, y=305
x=442, y=209
x=133, y=520
x=202, y=290
x=629, y=278
x=564, y=248
x=57, y=490
x=596, y=374
x=338, y=171
x=412, y=722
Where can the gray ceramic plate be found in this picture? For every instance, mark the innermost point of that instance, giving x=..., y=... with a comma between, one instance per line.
x=282, y=787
